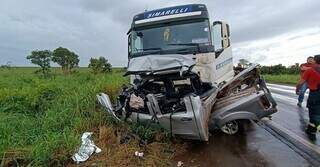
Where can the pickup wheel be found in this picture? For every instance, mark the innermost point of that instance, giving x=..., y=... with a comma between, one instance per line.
x=231, y=127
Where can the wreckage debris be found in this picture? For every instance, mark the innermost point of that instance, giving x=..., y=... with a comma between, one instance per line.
x=188, y=107
x=179, y=164
x=86, y=149
x=138, y=154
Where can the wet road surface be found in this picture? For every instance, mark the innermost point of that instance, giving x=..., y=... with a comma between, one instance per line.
x=254, y=145
x=289, y=115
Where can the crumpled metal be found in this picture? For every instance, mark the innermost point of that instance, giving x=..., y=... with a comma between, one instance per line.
x=104, y=100
x=86, y=149
x=151, y=63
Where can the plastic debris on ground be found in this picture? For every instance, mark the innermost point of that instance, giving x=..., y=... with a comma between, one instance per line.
x=138, y=154
x=180, y=163
x=86, y=149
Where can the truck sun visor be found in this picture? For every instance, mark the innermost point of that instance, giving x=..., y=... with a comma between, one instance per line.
x=169, y=13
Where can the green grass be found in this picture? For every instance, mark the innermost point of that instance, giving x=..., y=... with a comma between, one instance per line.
x=288, y=79
x=41, y=120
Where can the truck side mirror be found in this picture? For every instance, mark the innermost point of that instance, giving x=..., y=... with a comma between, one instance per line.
x=225, y=35
x=217, y=36
x=220, y=36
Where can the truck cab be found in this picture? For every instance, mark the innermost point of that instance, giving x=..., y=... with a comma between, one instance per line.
x=180, y=38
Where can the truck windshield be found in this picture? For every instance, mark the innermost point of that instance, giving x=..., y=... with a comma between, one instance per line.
x=169, y=38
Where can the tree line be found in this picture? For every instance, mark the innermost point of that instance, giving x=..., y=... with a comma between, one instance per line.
x=67, y=59
x=272, y=69
x=280, y=69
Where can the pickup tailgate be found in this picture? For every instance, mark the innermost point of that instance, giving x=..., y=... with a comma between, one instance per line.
x=252, y=103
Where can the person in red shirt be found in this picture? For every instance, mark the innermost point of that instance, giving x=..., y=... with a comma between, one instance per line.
x=312, y=77
x=304, y=87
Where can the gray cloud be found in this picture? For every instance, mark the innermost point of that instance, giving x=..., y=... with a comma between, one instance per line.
x=98, y=28
x=251, y=20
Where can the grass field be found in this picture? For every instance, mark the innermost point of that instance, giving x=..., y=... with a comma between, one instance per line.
x=41, y=120
x=282, y=79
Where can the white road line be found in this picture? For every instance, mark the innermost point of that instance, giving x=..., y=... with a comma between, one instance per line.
x=282, y=86
x=286, y=89
x=289, y=101
x=283, y=90
x=285, y=98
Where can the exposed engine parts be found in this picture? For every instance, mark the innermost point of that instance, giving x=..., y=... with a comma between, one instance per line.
x=159, y=95
x=188, y=107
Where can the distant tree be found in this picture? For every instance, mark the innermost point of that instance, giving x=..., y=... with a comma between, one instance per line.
x=66, y=59
x=280, y=69
x=41, y=58
x=7, y=66
x=294, y=69
x=99, y=65
x=265, y=70
x=244, y=63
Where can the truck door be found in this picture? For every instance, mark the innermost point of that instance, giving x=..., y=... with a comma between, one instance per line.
x=223, y=70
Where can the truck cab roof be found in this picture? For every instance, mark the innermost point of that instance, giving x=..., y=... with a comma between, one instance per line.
x=182, y=12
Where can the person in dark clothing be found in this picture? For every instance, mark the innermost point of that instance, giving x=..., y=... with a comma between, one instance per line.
x=312, y=77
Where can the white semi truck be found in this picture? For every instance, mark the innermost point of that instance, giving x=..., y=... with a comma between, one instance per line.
x=182, y=76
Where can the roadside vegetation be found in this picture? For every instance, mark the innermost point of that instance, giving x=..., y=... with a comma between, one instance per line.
x=286, y=79
x=277, y=74
x=99, y=65
x=44, y=111
x=43, y=118
x=281, y=74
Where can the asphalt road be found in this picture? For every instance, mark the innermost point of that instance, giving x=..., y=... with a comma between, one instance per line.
x=290, y=117
x=279, y=141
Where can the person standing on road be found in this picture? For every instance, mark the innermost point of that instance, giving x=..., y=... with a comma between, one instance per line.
x=312, y=77
x=304, y=87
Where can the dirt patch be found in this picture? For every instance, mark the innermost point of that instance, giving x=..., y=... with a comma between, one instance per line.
x=118, y=149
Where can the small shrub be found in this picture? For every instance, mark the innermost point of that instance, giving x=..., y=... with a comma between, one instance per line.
x=100, y=65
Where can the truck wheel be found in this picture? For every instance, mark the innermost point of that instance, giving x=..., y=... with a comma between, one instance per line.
x=230, y=128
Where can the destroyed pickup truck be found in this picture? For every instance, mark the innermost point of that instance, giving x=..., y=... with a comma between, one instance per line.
x=182, y=76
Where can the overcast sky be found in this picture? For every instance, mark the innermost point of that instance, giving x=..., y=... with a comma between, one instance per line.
x=263, y=31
